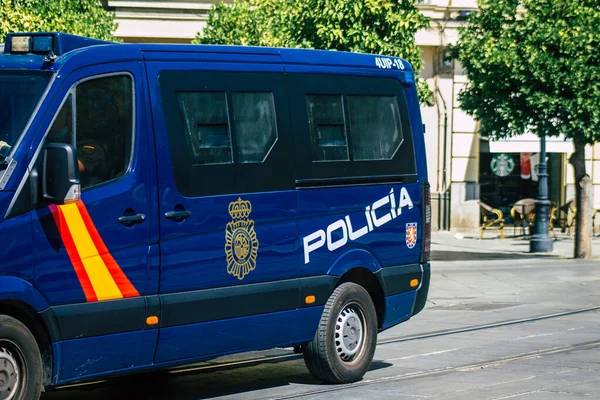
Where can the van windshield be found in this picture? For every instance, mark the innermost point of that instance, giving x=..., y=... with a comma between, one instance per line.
x=20, y=92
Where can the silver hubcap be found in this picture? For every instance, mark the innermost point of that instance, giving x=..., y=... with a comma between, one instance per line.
x=349, y=333
x=9, y=375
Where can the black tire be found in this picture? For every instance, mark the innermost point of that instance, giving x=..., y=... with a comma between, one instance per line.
x=19, y=354
x=324, y=356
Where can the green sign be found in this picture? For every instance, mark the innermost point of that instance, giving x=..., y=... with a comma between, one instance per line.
x=502, y=164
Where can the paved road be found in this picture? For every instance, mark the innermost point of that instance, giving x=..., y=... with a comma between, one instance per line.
x=523, y=329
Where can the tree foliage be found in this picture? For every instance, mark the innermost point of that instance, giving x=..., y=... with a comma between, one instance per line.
x=369, y=26
x=534, y=66
x=79, y=17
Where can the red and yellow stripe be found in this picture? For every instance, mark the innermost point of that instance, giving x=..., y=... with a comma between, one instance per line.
x=100, y=276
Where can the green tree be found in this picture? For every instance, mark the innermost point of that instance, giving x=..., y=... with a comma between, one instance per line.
x=369, y=26
x=79, y=17
x=534, y=66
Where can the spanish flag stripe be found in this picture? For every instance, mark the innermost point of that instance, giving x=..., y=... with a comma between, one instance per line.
x=65, y=234
x=103, y=283
x=120, y=279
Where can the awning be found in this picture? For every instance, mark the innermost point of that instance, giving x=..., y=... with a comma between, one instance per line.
x=530, y=143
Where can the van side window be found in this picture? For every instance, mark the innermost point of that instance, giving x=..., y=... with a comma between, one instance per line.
x=208, y=131
x=375, y=127
x=255, y=125
x=327, y=128
x=350, y=129
x=228, y=131
x=206, y=125
x=103, y=134
x=61, y=130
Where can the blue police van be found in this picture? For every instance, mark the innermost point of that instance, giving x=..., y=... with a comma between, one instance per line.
x=165, y=204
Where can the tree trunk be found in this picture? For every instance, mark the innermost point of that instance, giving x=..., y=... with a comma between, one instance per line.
x=583, y=222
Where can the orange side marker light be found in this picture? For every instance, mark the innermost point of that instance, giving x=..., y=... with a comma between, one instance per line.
x=310, y=299
x=152, y=320
x=414, y=283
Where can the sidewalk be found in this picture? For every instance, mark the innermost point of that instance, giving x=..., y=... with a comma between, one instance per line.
x=451, y=246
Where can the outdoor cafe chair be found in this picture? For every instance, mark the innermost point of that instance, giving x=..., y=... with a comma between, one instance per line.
x=491, y=216
x=523, y=214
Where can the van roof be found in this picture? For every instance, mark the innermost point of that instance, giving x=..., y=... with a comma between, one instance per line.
x=64, y=45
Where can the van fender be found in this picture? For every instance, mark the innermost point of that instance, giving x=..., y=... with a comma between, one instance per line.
x=13, y=288
x=355, y=258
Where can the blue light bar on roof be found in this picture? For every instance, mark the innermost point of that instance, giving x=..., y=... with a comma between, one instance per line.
x=43, y=44
x=31, y=44
x=20, y=44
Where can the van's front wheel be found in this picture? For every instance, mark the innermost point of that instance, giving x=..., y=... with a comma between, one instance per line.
x=343, y=347
x=20, y=362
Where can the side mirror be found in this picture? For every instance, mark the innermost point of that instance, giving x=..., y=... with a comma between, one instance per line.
x=60, y=176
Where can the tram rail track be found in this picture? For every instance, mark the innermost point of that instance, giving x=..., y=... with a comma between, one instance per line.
x=492, y=325
x=444, y=370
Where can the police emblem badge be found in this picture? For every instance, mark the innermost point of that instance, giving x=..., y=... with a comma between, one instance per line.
x=411, y=235
x=241, y=243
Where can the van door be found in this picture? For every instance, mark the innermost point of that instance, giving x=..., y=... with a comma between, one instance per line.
x=93, y=256
x=228, y=234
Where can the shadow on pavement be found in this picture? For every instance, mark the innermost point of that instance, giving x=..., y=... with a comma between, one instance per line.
x=377, y=364
x=192, y=385
x=200, y=384
x=440, y=255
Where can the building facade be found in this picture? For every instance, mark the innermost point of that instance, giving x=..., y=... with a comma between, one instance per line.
x=164, y=21
x=464, y=167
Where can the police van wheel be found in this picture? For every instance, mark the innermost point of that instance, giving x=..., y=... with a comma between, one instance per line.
x=20, y=362
x=343, y=347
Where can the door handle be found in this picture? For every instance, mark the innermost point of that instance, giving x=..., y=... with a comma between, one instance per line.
x=178, y=215
x=132, y=219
